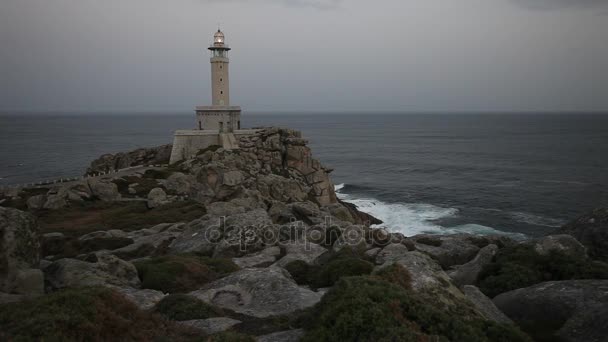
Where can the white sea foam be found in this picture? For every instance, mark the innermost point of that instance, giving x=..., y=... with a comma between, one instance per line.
x=416, y=218
x=536, y=219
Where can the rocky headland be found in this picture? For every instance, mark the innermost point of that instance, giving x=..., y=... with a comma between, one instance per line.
x=253, y=244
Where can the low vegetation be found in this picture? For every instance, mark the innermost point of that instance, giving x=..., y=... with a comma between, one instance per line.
x=84, y=314
x=181, y=273
x=521, y=266
x=345, y=263
x=181, y=307
x=368, y=308
x=88, y=217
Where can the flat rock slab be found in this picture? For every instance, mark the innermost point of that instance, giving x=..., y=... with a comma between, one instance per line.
x=259, y=292
x=212, y=325
x=282, y=336
x=307, y=252
x=144, y=299
x=261, y=259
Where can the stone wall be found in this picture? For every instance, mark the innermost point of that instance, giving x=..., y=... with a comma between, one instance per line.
x=187, y=143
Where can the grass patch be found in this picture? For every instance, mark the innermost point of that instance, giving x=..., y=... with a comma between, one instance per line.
x=520, y=266
x=181, y=307
x=84, y=314
x=370, y=309
x=181, y=273
x=88, y=217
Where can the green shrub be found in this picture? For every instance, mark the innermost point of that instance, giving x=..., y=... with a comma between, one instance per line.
x=369, y=309
x=299, y=271
x=83, y=314
x=329, y=274
x=181, y=273
x=396, y=274
x=521, y=266
x=346, y=262
x=181, y=307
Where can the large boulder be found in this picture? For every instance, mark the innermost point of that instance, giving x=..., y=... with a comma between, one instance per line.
x=427, y=275
x=571, y=310
x=156, y=198
x=258, y=292
x=145, y=299
x=391, y=253
x=36, y=202
x=232, y=236
x=105, y=239
x=104, y=190
x=559, y=243
x=591, y=230
x=448, y=250
x=307, y=252
x=19, y=253
x=147, y=245
x=467, y=274
x=99, y=269
x=485, y=305
x=263, y=258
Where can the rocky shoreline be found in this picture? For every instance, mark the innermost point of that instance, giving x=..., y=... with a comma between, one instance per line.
x=253, y=244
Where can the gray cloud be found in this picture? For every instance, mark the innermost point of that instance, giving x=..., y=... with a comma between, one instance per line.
x=560, y=4
x=318, y=4
x=299, y=55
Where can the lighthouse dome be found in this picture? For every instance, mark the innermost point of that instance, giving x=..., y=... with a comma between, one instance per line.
x=218, y=37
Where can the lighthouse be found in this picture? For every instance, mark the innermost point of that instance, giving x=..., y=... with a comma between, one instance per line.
x=218, y=124
x=220, y=85
x=220, y=116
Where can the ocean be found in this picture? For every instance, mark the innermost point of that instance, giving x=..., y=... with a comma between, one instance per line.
x=523, y=175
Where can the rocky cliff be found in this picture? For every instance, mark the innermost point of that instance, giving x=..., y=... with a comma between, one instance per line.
x=141, y=156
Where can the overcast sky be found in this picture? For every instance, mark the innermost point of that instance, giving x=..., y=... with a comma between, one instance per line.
x=306, y=55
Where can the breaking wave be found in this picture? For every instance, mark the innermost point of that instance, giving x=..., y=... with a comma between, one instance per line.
x=416, y=218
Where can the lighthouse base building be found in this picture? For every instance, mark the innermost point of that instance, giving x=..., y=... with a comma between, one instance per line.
x=219, y=124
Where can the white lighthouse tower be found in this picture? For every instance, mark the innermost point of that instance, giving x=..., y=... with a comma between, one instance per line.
x=218, y=124
x=219, y=70
x=220, y=115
